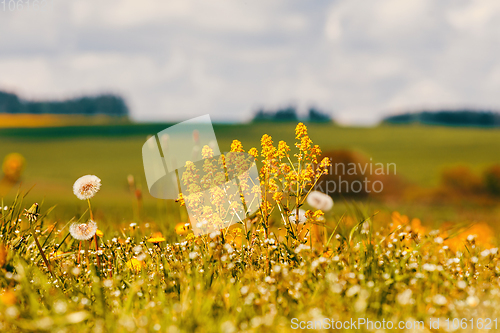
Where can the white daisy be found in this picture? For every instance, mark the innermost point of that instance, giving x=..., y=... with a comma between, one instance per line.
x=319, y=200
x=86, y=187
x=83, y=231
x=302, y=216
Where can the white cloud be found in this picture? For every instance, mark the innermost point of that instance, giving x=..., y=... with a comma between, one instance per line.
x=181, y=58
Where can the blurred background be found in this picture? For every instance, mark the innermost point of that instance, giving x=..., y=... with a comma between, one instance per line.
x=84, y=82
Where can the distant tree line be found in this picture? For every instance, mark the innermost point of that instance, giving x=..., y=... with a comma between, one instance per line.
x=289, y=114
x=106, y=104
x=448, y=118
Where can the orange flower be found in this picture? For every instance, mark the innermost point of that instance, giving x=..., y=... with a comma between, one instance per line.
x=416, y=227
x=3, y=255
x=399, y=220
x=13, y=166
x=99, y=233
x=7, y=297
x=480, y=234
x=328, y=253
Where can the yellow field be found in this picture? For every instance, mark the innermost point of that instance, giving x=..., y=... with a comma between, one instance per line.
x=51, y=120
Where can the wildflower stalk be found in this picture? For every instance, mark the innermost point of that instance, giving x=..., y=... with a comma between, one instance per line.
x=41, y=251
x=32, y=215
x=95, y=237
x=79, y=250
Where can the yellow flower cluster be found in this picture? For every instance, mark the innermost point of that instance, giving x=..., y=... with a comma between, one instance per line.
x=287, y=182
x=216, y=189
x=284, y=184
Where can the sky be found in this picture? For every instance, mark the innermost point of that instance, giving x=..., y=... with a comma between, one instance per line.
x=178, y=59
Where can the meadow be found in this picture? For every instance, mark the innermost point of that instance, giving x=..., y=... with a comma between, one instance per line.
x=55, y=156
x=355, y=260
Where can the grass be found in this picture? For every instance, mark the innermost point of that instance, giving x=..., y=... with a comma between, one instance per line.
x=361, y=261
x=387, y=268
x=57, y=156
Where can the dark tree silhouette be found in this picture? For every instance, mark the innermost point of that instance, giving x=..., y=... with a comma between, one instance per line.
x=106, y=104
x=448, y=118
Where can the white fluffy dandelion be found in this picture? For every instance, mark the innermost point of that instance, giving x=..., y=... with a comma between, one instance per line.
x=302, y=217
x=83, y=231
x=319, y=200
x=86, y=187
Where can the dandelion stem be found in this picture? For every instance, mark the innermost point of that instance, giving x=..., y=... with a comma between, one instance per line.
x=41, y=252
x=95, y=237
x=90, y=210
x=79, y=249
x=96, y=252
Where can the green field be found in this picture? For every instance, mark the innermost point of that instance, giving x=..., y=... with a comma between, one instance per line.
x=57, y=157
x=358, y=260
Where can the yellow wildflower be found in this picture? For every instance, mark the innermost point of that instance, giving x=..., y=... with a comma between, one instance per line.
x=234, y=237
x=254, y=152
x=283, y=149
x=278, y=196
x=156, y=238
x=300, y=131
x=135, y=265
x=56, y=255
x=182, y=228
x=7, y=297
x=236, y=146
x=328, y=253
x=207, y=152
x=268, y=150
x=180, y=200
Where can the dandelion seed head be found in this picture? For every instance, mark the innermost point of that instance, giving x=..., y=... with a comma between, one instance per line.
x=83, y=231
x=319, y=200
x=302, y=217
x=86, y=187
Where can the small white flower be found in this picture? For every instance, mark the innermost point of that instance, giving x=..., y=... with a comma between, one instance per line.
x=439, y=299
x=86, y=187
x=302, y=217
x=485, y=253
x=472, y=301
x=83, y=231
x=429, y=267
x=319, y=200
x=404, y=298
